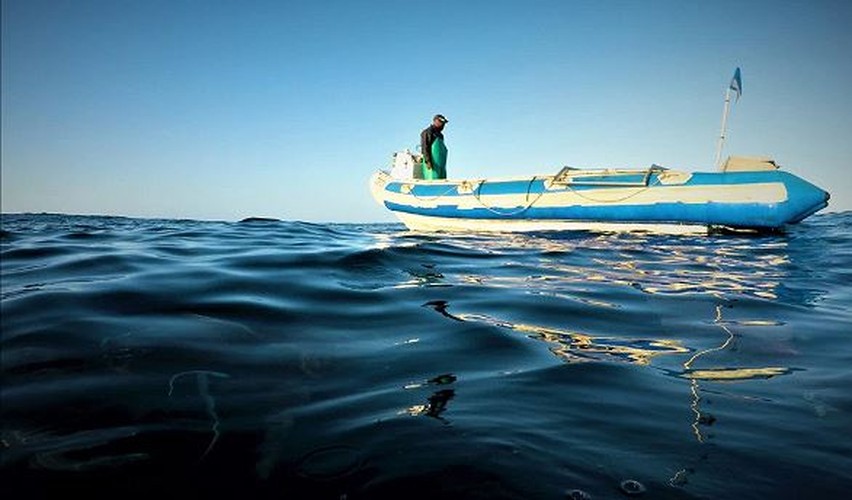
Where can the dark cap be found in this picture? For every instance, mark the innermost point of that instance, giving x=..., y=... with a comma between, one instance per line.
x=440, y=117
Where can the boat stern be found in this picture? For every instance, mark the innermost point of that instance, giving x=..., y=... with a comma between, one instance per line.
x=378, y=182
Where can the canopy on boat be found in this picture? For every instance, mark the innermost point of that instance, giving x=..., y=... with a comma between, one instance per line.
x=748, y=164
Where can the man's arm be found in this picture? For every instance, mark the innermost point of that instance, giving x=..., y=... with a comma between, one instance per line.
x=426, y=140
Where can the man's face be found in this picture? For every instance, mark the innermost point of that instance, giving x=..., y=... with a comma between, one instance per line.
x=438, y=124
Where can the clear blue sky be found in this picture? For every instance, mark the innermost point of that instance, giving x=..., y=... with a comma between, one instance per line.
x=228, y=109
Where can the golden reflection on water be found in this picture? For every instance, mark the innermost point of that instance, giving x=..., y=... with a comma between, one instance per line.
x=742, y=266
x=736, y=373
x=719, y=266
x=576, y=268
x=434, y=407
x=575, y=347
x=724, y=374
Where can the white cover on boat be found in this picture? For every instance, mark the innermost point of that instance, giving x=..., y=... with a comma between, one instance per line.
x=404, y=164
x=748, y=164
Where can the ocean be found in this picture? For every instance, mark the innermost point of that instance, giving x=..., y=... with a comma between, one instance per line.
x=268, y=359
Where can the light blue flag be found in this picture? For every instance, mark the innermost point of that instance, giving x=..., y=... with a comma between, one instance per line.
x=737, y=83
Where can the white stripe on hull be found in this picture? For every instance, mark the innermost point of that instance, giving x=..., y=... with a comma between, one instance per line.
x=428, y=223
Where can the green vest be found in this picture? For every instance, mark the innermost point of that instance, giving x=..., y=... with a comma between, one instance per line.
x=439, y=162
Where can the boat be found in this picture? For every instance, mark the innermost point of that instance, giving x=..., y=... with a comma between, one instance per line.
x=745, y=194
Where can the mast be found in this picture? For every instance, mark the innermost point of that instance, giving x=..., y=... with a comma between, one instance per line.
x=724, y=126
x=737, y=86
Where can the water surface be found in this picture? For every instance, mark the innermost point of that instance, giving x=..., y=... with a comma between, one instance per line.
x=294, y=360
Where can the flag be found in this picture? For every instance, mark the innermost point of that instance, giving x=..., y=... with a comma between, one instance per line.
x=737, y=84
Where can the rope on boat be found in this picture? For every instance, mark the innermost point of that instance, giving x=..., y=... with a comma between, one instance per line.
x=631, y=195
x=529, y=205
x=433, y=198
x=478, y=193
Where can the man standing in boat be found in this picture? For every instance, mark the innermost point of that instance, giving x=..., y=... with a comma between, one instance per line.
x=434, y=162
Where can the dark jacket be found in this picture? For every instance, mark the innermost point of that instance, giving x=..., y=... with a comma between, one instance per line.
x=427, y=137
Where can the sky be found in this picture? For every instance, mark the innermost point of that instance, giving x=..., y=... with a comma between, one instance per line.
x=221, y=110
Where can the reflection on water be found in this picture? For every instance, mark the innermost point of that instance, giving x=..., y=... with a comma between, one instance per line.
x=425, y=276
x=737, y=373
x=726, y=374
x=574, y=268
x=571, y=347
x=575, y=346
x=719, y=267
x=436, y=404
x=568, y=266
x=75, y=452
x=702, y=419
x=440, y=306
x=202, y=379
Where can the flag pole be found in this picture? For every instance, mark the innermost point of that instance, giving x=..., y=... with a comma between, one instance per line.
x=724, y=125
x=736, y=85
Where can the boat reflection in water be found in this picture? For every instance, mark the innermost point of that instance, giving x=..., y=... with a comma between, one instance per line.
x=721, y=267
x=605, y=271
x=701, y=418
x=576, y=346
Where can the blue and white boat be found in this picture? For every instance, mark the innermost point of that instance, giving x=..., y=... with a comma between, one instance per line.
x=745, y=194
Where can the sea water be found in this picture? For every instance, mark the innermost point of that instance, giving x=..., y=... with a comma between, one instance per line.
x=265, y=359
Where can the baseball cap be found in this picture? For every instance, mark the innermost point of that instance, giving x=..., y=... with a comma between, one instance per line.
x=440, y=117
